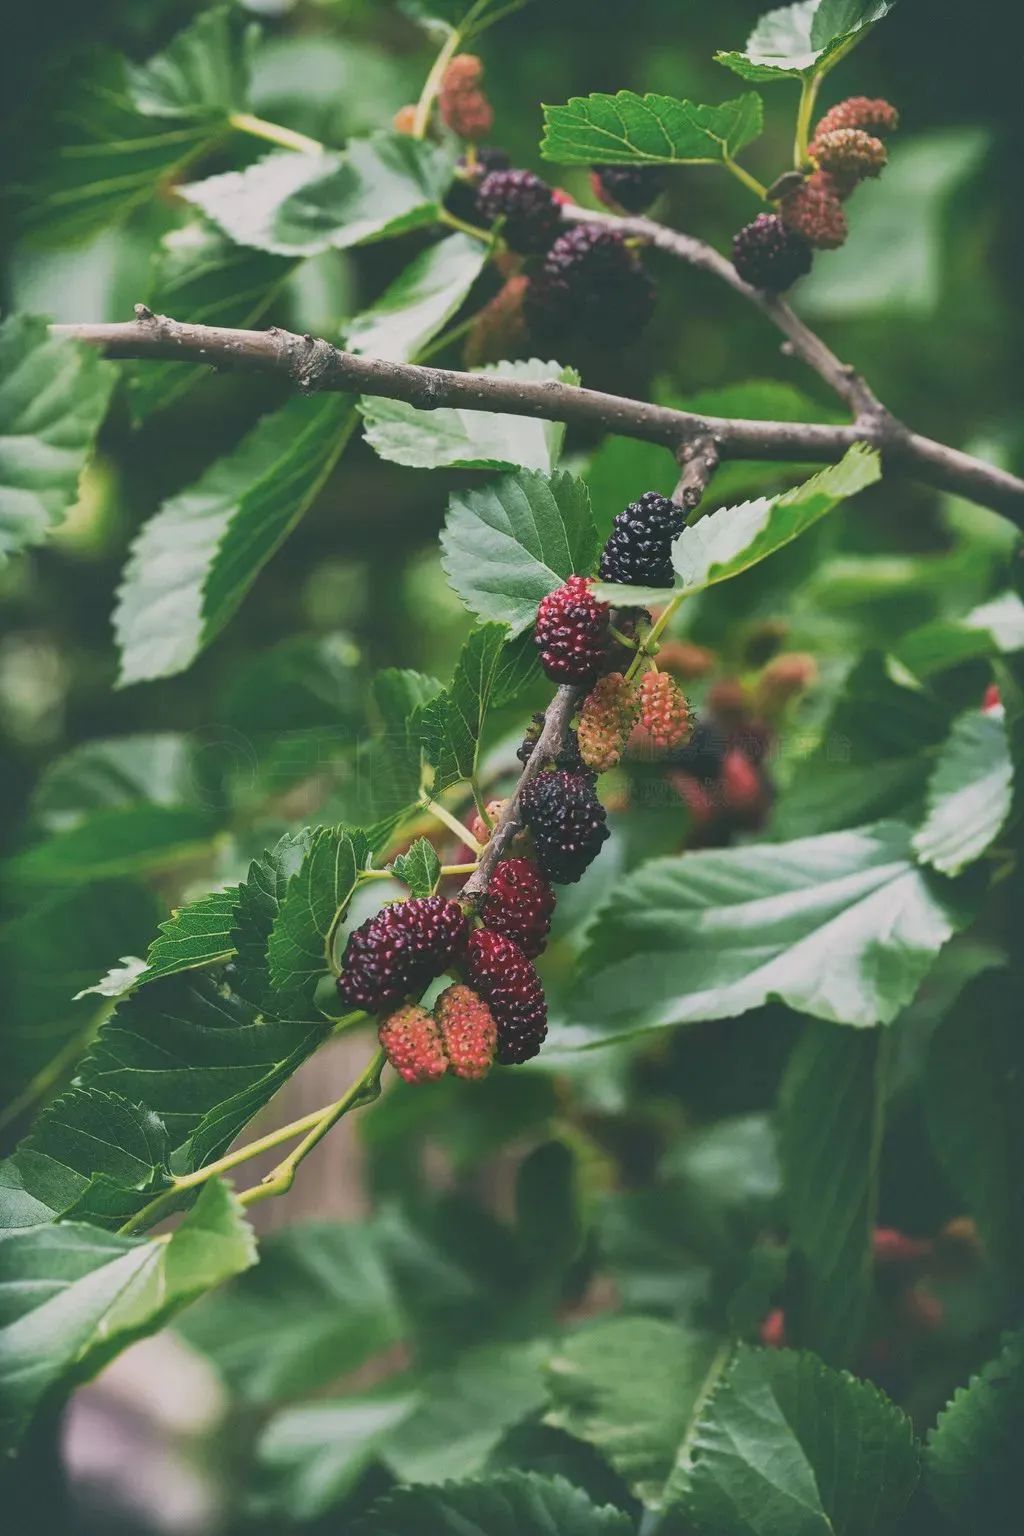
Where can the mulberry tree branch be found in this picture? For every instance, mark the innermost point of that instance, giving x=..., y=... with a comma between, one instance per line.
x=314, y=364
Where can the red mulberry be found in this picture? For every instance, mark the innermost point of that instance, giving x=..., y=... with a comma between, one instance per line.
x=519, y=904
x=873, y=115
x=849, y=155
x=816, y=212
x=664, y=712
x=412, y=1043
x=498, y=970
x=572, y=632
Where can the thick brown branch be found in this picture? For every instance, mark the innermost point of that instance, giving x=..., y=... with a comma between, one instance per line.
x=316, y=365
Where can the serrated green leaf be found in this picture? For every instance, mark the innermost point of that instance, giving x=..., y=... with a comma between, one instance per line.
x=994, y=628
x=972, y=1458
x=72, y=1297
x=197, y=935
x=509, y=544
x=969, y=793
x=972, y=1101
x=126, y=840
x=320, y=1303
x=630, y=1386
x=451, y=724
x=627, y=129
x=419, y=868
x=309, y=1457
x=200, y=276
x=831, y=1114
x=314, y=900
x=419, y=302
x=787, y=1447
x=804, y=39
x=193, y=562
x=83, y=1140
x=53, y=397
x=203, y=72
x=733, y=539
x=517, y=1504
x=299, y=204
x=453, y=438
x=713, y=934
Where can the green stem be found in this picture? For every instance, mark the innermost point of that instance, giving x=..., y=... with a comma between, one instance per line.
x=750, y=182
x=805, y=111
x=274, y=133
x=459, y=869
x=364, y=1090
x=454, y=825
x=449, y=219
x=657, y=629
x=455, y=333
x=432, y=84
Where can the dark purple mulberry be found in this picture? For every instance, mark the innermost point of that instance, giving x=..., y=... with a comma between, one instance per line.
x=639, y=549
x=498, y=970
x=399, y=950
x=632, y=187
x=567, y=823
x=591, y=286
x=768, y=255
x=525, y=203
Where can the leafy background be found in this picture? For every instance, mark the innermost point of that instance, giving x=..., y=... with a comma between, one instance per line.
x=488, y=1228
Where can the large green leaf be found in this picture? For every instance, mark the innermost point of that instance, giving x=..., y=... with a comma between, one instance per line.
x=509, y=544
x=122, y=131
x=53, y=396
x=972, y=1459
x=309, y=1457
x=453, y=438
x=126, y=840
x=314, y=901
x=631, y=1387
x=710, y=935
x=299, y=204
x=972, y=1100
x=787, y=1447
x=517, y=1504
x=804, y=39
x=627, y=129
x=72, y=1297
x=320, y=1303
x=994, y=628
x=193, y=562
x=969, y=793
x=734, y=538
x=157, y=768
x=419, y=302
x=200, y=276
x=831, y=1113
x=452, y=723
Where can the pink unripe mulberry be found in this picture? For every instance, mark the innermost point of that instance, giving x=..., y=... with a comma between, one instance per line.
x=815, y=211
x=468, y=1031
x=664, y=712
x=413, y=1044
x=871, y=114
x=608, y=715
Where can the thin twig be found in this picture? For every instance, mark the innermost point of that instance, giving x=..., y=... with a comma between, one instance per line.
x=314, y=364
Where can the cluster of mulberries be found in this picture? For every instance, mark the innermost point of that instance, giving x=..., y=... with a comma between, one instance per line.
x=461, y=101
x=777, y=248
x=460, y=1036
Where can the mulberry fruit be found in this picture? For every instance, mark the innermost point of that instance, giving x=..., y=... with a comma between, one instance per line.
x=785, y=677
x=498, y=970
x=608, y=715
x=519, y=904
x=567, y=823
x=639, y=549
x=469, y=173
x=768, y=255
x=873, y=116
x=462, y=104
x=664, y=712
x=404, y=120
x=468, y=1031
x=480, y=829
x=413, y=1044
x=632, y=187
x=591, y=286
x=527, y=206
x=399, y=950
x=572, y=632
x=849, y=155
x=816, y=212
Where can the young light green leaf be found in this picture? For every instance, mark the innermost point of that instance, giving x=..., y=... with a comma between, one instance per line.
x=193, y=562
x=994, y=628
x=298, y=204
x=320, y=1303
x=805, y=39
x=831, y=1113
x=972, y=1458
x=733, y=539
x=764, y=1467
x=969, y=793
x=453, y=438
x=419, y=302
x=972, y=1102
x=53, y=397
x=200, y=276
x=314, y=901
x=627, y=129
x=419, y=868
x=715, y=933
x=630, y=1386
x=516, y=1504
x=451, y=723
x=83, y=1140
x=203, y=72
x=72, y=1297
x=509, y=544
